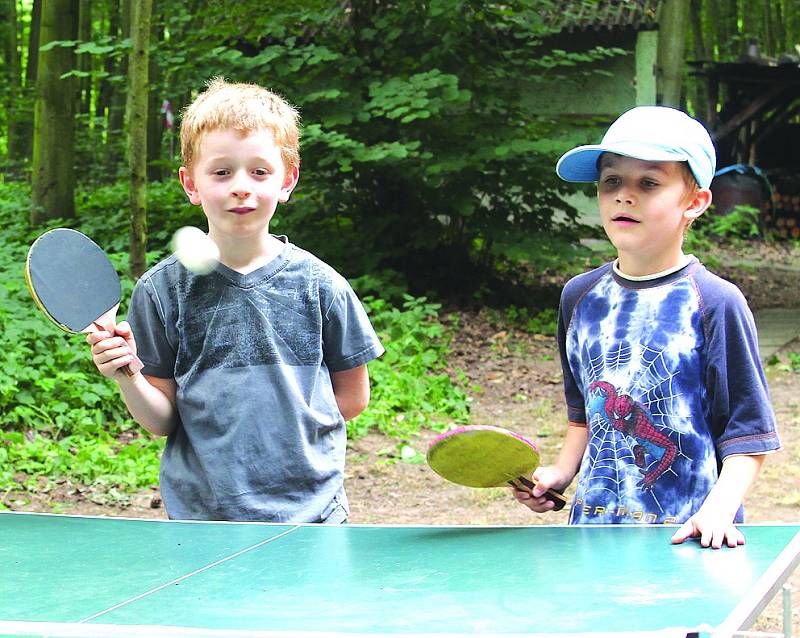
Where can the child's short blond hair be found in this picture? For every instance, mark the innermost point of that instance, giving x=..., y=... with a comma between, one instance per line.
x=243, y=108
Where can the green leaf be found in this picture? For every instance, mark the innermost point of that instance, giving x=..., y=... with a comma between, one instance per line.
x=58, y=43
x=93, y=48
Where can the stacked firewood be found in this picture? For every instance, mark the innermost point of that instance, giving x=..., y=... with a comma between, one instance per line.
x=785, y=218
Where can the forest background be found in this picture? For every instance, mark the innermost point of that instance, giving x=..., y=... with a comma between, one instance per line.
x=426, y=179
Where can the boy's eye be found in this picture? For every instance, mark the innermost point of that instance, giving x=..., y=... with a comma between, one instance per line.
x=610, y=180
x=649, y=183
x=261, y=172
x=221, y=172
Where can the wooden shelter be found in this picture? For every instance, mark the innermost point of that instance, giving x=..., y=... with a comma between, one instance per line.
x=759, y=125
x=760, y=100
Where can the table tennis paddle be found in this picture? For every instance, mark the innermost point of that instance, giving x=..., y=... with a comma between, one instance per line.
x=486, y=456
x=73, y=282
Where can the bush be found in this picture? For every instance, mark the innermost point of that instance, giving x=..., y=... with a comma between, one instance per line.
x=742, y=222
x=411, y=387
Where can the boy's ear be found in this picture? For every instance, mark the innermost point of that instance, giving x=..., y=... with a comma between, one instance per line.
x=698, y=205
x=188, y=185
x=289, y=182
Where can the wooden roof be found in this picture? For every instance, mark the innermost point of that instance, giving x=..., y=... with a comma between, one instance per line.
x=610, y=15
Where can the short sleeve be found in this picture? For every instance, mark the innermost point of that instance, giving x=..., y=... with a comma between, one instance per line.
x=147, y=318
x=576, y=403
x=348, y=338
x=742, y=419
x=571, y=295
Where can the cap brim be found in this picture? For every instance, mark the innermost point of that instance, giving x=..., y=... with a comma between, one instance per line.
x=580, y=164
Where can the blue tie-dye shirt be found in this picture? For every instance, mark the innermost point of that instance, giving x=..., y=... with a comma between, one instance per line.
x=666, y=375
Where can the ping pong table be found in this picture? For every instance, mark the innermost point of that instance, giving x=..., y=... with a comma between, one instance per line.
x=93, y=576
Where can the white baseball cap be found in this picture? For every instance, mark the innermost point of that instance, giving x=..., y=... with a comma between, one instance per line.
x=652, y=133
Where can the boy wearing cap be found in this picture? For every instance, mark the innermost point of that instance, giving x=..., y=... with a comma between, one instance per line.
x=668, y=408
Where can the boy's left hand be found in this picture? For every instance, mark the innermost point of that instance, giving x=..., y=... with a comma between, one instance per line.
x=714, y=530
x=713, y=522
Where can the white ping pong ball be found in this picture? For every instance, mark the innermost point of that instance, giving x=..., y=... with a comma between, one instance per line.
x=195, y=250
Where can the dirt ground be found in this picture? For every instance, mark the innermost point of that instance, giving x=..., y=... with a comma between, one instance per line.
x=519, y=383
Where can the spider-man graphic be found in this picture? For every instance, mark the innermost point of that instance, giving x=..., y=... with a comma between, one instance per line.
x=632, y=419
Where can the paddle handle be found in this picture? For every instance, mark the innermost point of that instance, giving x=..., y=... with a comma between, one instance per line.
x=127, y=369
x=554, y=495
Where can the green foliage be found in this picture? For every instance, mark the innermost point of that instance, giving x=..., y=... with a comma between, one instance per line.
x=741, y=222
x=542, y=253
x=388, y=285
x=90, y=458
x=430, y=138
x=419, y=135
x=411, y=387
x=792, y=365
x=103, y=214
x=59, y=416
x=544, y=322
x=711, y=229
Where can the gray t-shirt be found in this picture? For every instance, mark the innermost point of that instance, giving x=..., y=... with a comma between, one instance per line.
x=259, y=436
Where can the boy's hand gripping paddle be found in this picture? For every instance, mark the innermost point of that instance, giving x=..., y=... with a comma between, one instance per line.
x=73, y=282
x=486, y=456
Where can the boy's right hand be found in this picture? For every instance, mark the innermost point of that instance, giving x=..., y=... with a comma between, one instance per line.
x=546, y=478
x=113, y=351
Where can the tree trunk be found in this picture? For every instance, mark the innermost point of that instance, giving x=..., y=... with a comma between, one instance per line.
x=137, y=131
x=791, y=21
x=116, y=108
x=779, y=28
x=700, y=94
x=53, y=175
x=752, y=18
x=31, y=74
x=729, y=15
x=11, y=73
x=85, y=59
x=31, y=69
x=716, y=29
x=155, y=125
x=701, y=52
x=104, y=91
x=673, y=21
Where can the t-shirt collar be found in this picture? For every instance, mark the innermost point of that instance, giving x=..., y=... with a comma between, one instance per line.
x=685, y=259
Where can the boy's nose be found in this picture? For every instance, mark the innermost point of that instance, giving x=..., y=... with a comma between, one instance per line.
x=240, y=189
x=624, y=197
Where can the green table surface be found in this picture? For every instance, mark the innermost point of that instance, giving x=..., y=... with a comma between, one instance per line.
x=84, y=576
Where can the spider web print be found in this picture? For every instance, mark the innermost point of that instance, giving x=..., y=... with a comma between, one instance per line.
x=613, y=467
